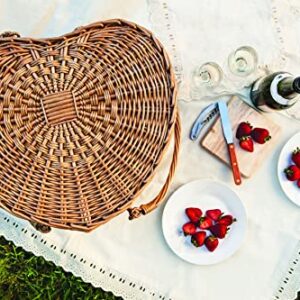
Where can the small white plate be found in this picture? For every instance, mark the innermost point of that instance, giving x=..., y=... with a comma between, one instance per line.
x=290, y=188
x=205, y=194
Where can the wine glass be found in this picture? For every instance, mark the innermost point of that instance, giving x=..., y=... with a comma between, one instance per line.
x=205, y=79
x=207, y=75
x=243, y=61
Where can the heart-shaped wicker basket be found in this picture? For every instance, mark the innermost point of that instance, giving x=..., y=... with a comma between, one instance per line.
x=84, y=121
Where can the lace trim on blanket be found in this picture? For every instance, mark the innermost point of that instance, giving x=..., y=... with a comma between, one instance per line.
x=98, y=275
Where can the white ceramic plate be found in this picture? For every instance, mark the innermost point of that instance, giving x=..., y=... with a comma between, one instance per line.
x=205, y=194
x=290, y=188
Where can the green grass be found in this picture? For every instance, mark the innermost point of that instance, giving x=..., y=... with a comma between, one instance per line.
x=24, y=276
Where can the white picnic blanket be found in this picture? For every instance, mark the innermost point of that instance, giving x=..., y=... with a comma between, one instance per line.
x=131, y=259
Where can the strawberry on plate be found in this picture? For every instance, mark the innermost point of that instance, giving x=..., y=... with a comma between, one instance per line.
x=292, y=173
x=189, y=228
x=227, y=220
x=214, y=214
x=244, y=129
x=296, y=157
x=246, y=143
x=198, y=238
x=194, y=214
x=260, y=135
x=211, y=243
x=205, y=222
x=219, y=230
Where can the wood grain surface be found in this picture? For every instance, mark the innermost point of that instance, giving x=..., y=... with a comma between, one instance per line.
x=239, y=111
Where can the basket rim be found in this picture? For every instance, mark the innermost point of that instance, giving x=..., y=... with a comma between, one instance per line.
x=171, y=123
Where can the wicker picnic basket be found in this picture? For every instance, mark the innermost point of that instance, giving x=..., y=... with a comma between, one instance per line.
x=85, y=119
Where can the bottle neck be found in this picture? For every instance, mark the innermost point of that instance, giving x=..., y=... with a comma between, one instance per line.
x=289, y=87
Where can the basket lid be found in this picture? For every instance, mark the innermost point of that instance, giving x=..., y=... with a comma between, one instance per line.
x=84, y=121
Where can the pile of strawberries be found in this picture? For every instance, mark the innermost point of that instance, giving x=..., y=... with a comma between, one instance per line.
x=246, y=135
x=293, y=171
x=206, y=229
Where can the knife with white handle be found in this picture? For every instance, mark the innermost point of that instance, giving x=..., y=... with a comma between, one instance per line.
x=227, y=131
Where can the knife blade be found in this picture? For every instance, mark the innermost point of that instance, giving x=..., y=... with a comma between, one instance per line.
x=227, y=131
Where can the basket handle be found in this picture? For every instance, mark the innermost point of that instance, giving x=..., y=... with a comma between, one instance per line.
x=7, y=34
x=144, y=209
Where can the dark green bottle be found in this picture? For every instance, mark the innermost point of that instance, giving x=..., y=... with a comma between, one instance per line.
x=276, y=91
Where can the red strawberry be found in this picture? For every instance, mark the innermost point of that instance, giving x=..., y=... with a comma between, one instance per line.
x=260, y=135
x=244, y=129
x=211, y=243
x=227, y=220
x=296, y=156
x=189, y=228
x=205, y=222
x=219, y=230
x=198, y=238
x=194, y=214
x=214, y=214
x=292, y=173
x=246, y=143
x=298, y=183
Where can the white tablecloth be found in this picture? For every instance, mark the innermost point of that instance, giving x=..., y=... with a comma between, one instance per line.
x=131, y=258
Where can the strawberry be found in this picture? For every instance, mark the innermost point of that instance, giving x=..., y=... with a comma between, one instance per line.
x=260, y=135
x=205, y=222
x=214, y=214
x=246, y=143
x=219, y=230
x=198, y=238
x=194, y=214
x=296, y=156
x=298, y=183
x=189, y=228
x=292, y=173
x=244, y=129
x=211, y=243
x=227, y=220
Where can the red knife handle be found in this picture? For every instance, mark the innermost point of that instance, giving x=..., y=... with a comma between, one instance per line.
x=234, y=165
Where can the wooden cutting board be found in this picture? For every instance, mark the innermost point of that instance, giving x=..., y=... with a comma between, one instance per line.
x=248, y=162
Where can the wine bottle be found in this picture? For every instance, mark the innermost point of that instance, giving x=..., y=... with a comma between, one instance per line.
x=276, y=91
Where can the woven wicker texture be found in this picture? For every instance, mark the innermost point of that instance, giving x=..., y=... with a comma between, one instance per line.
x=84, y=121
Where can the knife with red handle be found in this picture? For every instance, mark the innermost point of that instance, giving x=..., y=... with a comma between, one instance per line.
x=227, y=131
